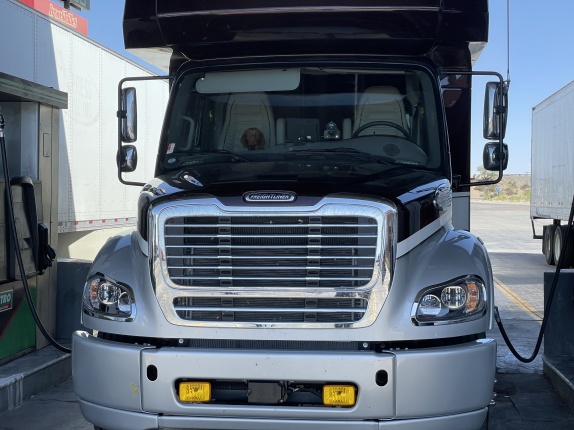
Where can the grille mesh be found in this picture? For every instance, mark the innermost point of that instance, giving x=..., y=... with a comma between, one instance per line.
x=270, y=252
x=278, y=310
x=296, y=251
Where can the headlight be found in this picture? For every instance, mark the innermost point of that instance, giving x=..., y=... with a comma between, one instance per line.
x=455, y=301
x=108, y=299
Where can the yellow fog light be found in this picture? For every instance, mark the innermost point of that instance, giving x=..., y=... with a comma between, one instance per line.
x=339, y=395
x=195, y=391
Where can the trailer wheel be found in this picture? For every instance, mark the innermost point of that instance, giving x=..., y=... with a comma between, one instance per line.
x=548, y=243
x=559, y=237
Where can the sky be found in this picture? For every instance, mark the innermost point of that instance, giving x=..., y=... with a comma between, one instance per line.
x=541, y=62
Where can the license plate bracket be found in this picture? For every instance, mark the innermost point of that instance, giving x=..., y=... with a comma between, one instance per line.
x=267, y=393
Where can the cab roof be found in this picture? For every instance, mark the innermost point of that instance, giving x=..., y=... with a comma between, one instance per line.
x=451, y=33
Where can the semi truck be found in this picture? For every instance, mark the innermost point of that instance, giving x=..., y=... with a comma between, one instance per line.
x=302, y=257
x=552, y=177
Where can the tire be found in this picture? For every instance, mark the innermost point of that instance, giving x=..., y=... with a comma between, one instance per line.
x=559, y=238
x=548, y=243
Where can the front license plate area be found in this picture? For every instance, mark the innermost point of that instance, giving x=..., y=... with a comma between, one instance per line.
x=266, y=393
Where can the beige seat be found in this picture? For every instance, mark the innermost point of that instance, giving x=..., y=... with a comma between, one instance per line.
x=383, y=103
x=247, y=110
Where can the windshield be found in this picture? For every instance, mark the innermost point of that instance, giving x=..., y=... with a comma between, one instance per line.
x=317, y=122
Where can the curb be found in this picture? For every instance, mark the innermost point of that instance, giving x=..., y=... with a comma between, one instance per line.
x=32, y=374
x=560, y=371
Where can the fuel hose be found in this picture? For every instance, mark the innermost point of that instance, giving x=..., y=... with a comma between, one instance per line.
x=17, y=252
x=548, y=304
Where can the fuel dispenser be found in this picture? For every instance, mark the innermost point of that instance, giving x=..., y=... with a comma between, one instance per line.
x=31, y=136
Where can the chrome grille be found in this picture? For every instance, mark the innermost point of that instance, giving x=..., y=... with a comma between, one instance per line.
x=270, y=251
x=326, y=265
x=277, y=310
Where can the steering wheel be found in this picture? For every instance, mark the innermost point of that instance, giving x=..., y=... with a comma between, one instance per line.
x=377, y=123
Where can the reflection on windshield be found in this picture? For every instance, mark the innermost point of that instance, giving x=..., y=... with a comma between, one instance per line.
x=317, y=123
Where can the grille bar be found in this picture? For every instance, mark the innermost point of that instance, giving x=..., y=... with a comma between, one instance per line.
x=270, y=257
x=276, y=236
x=219, y=267
x=255, y=278
x=267, y=251
x=171, y=225
x=258, y=309
x=275, y=246
x=262, y=310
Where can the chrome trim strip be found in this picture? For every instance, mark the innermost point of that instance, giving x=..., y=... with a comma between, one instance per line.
x=404, y=246
x=374, y=291
x=142, y=243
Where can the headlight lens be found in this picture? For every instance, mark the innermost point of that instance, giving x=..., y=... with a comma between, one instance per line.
x=455, y=301
x=108, y=299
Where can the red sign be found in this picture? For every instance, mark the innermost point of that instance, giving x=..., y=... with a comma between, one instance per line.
x=59, y=14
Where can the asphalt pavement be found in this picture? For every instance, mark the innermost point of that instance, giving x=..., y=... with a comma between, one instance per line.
x=523, y=399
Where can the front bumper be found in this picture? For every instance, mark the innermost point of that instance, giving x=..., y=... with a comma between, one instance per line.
x=448, y=387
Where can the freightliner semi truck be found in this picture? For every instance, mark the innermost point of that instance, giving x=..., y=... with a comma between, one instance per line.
x=295, y=263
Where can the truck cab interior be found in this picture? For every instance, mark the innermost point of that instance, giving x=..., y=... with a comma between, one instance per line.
x=286, y=116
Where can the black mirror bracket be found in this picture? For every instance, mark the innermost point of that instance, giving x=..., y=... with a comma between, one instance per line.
x=498, y=150
x=127, y=154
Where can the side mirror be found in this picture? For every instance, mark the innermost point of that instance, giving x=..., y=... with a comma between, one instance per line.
x=129, y=115
x=495, y=111
x=491, y=157
x=127, y=158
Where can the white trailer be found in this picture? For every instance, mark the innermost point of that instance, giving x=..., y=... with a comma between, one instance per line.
x=91, y=199
x=553, y=170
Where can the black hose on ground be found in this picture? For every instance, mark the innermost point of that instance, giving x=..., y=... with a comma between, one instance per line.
x=548, y=305
x=10, y=211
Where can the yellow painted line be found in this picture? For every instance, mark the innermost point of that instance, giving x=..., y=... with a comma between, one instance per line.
x=515, y=298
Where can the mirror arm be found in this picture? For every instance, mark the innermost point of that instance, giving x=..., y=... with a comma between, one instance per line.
x=500, y=139
x=121, y=114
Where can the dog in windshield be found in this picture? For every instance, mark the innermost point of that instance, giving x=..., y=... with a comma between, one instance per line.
x=253, y=139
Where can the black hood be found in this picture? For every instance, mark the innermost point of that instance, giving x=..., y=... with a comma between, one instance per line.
x=411, y=191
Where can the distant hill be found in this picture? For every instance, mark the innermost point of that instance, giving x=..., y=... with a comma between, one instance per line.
x=512, y=188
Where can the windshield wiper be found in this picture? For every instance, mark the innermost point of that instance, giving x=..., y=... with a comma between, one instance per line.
x=177, y=161
x=342, y=150
x=374, y=176
x=220, y=151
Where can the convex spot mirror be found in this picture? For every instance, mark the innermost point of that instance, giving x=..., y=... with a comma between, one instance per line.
x=128, y=115
x=495, y=111
x=491, y=157
x=127, y=158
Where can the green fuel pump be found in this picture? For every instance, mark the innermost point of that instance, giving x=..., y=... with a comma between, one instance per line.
x=26, y=255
